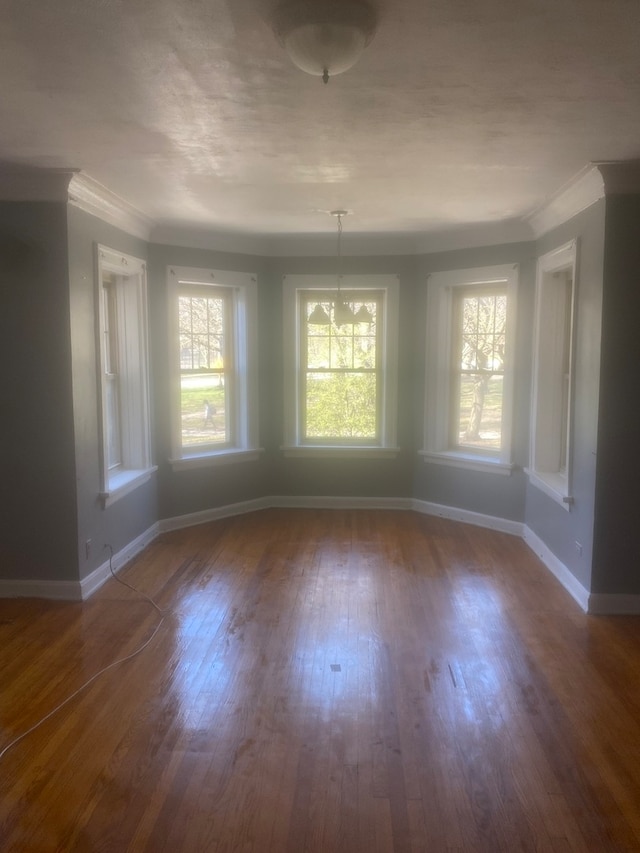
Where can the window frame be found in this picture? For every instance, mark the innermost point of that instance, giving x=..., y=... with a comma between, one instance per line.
x=551, y=417
x=126, y=307
x=240, y=290
x=443, y=288
x=296, y=289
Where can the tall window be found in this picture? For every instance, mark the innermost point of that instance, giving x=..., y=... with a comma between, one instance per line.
x=478, y=365
x=214, y=396
x=550, y=462
x=205, y=321
x=340, y=363
x=341, y=376
x=124, y=378
x=470, y=368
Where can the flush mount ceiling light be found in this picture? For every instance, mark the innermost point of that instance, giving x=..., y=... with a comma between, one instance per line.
x=325, y=37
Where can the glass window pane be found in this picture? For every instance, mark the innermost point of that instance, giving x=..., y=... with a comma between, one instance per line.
x=341, y=405
x=318, y=352
x=114, y=443
x=203, y=409
x=479, y=418
x=364, y=352
x=201, y=328
x=342, y=351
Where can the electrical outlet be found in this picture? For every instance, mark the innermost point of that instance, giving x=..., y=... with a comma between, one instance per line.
x=579, y=548
x=87, y=549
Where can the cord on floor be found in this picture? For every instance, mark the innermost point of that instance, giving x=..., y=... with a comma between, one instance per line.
x=75, y=693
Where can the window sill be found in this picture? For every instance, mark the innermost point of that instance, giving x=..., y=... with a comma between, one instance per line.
x=324, y=451
x=123, y=483
x=219, y=457
x=553, y=485
x=456, y=459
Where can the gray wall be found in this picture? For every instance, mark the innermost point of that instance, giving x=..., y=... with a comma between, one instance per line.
x=616, y=563
x=49, y=343
x=187, y=491
x=345, y=477
x=133, y=514
x=38, y=517
x=491, y=494
x=558, y=528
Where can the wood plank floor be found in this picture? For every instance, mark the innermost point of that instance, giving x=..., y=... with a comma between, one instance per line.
x=351, y=681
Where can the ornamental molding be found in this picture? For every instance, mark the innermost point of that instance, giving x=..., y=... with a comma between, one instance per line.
x=595, y=181
x=94, y=198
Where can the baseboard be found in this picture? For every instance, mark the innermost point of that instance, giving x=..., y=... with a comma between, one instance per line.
x=614, y=604
x=557, y=568
x=327, y=502
x=81, y=590
x=51, y=590
x=99, y=576
x=192, y=519
x=493, y=522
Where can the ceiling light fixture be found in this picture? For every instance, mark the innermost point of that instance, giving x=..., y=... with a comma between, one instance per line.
x=343, y=312
x=325, y=37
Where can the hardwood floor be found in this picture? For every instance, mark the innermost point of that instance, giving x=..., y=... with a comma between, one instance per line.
x=350, y=681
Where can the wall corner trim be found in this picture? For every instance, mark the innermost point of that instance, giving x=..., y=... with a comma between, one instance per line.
x=94, y=198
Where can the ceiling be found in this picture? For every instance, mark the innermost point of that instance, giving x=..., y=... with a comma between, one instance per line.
x=459, y=112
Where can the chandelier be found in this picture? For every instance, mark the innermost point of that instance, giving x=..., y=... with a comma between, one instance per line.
x=343, y=313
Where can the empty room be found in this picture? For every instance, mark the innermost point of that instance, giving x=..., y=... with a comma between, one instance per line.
x=320, y=426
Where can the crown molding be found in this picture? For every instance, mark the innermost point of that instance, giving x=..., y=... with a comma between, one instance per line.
x=94, y=198
x=597, y=180
x=28, y=183
x=583, y=190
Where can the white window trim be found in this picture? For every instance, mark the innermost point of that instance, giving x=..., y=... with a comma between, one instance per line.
x=387, y=445
x=244, y=446
x=137, y=464
x=440, y=290
x=555, y=484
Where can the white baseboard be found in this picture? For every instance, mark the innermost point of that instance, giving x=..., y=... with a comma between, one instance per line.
x=52, y=590
x=614, y=604
x=81, y=590
x=493, y=522
x=557, y=568
x=120, y=559
x=315, y=502
x=178, y=522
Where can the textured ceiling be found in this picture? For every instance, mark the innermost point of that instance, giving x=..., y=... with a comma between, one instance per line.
x=459, y=112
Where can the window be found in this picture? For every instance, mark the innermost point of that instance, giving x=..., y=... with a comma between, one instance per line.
x=213, y=329
x=124, y=379
x=550, y=458
x=470, y=368
x=340, y=365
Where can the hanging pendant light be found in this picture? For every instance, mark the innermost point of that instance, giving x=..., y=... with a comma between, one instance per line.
x=342, y=312
x=319, y=316
x=363, y=315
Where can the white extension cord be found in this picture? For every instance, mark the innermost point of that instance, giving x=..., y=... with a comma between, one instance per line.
x=102, y=671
